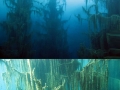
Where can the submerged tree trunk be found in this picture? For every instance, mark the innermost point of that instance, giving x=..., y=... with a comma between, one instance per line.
x=56, y=38
x=17, y=27
x=55, y=74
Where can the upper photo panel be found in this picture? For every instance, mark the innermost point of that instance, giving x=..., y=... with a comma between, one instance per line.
x=59, y=29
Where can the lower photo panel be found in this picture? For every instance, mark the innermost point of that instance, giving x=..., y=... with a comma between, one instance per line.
x=59, y=74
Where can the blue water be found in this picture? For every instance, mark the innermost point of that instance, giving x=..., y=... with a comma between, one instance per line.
x=42, y=29
x=74, y=32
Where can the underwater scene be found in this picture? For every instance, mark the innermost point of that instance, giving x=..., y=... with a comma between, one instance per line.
x=58, y=74
x=59, y=29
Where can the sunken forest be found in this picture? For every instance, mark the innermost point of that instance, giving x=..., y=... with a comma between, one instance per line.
x=44, y=29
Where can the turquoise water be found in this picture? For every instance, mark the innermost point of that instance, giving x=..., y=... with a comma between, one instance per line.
x=60, y=74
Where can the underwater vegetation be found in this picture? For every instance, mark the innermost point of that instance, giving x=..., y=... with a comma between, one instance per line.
x=17, y=28
x=55, y=40
x=19, y=35
x=56, y=74
x=104, y=30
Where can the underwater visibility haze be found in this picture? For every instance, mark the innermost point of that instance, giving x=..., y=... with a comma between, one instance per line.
x=60, y=74
x=59, y=29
